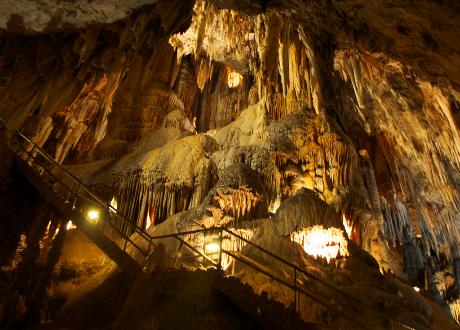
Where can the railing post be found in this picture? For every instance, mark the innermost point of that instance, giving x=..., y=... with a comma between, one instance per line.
x=125, y=236
x=116, y=227
x=101, y=226
x=128, y=234
x=31, y=155
x=105, y=218
x=220, y=249
x=75, y=196
x=149, y=246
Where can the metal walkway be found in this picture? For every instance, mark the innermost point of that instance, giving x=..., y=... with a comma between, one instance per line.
x=113, y=234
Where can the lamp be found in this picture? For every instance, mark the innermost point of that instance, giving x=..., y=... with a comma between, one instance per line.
x=92, y=216
x=213, y=246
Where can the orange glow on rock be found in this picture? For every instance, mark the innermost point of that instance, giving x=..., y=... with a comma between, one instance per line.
x=319, y=242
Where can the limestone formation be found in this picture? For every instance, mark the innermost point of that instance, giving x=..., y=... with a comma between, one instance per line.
x=286, y=122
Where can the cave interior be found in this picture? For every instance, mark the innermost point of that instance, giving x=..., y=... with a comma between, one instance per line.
x=229, y=164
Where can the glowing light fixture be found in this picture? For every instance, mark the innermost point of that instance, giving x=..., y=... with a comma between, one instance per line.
x=212, y=247
x=92, y=216
x=416, y=289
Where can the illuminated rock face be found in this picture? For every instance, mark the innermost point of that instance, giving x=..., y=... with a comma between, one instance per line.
x=320, y=242
x=240, y=111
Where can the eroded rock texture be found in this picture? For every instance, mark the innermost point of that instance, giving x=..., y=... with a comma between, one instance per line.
x=342, y=114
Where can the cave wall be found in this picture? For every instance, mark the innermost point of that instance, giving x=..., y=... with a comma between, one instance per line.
x=60, y=98
x=356, y=102
x=378, y=117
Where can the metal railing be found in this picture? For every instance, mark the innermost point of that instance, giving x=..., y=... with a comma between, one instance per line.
x=74, y=192
x=77, y=191
x=295, y=282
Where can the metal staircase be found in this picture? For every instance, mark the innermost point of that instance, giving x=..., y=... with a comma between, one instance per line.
x=113, y=235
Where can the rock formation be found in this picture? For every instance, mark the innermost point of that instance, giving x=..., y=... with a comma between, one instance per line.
x=279, y=120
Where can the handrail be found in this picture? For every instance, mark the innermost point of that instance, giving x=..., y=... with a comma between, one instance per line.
x=94, y=199
x=128, y=239
x=146, y=236
x=295, y=288
x=81, y=185
x=292, y=286
x=229, y=253
x=296, y=267
x=67, y=172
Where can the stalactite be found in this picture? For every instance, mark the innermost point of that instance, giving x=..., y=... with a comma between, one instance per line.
x=237, y=203
x=273, y=49
x=424, y=225
x=163, y=184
